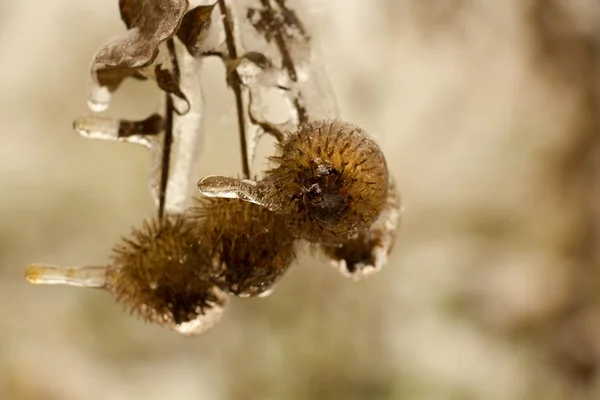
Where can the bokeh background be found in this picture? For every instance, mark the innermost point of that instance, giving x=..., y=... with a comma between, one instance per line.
x=488, y=113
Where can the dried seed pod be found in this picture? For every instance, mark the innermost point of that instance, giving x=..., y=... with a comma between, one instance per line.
x=160, y=273
x=331, y=182
x=367, y=253
x=251, y=247
x=163, y=274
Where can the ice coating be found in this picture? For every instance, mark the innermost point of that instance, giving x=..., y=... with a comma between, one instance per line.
x=95, y=277
x=276, y=53
x=232, y=188
x=46, y=274
x=287, y=41
x=107, y=128
x=283, y=92
x=205, y=320
x=187, y=139
x=367, y=254
x=149, y=23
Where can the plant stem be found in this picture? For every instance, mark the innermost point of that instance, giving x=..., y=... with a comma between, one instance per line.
x=236, y=85
x=168, y=138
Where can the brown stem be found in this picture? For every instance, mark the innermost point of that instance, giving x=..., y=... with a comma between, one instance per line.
x=286, y=58
x=168, y=138
x=235, y=84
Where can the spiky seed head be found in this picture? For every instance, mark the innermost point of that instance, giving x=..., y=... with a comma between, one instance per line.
x=331, y=179
x=367, y=253
x=252, y=247
x=162, y=274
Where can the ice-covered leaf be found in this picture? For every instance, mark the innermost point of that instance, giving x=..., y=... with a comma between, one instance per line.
x=149, y=23
x=152, y=125
x=106, y=128
x=195, y=28
x=173, y=134
x=168, y=83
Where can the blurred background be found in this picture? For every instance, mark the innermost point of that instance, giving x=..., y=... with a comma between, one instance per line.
x=488, y=112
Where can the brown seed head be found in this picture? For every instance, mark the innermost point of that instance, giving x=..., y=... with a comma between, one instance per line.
x=252, y=247
x=331, y=180
x=161, y=274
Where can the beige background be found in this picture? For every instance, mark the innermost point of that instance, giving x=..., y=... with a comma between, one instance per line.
x=484, y=109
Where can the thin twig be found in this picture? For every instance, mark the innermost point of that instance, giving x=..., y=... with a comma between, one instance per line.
x=236, y=84
x=286, y=58
x=168, y=138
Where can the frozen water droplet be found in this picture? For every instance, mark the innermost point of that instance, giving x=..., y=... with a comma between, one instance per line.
x=99, y=98
x=267, y=292
x=205, y=319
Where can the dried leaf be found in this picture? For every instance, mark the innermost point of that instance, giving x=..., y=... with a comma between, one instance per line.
x=175, y=140
x=167, y=82
x=195, y=28
x=152, y=125
x=149, y=23
x=269, y=61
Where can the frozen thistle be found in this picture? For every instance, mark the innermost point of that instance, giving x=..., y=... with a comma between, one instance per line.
x=330, y=185
x=250, y=247
x=161, y=273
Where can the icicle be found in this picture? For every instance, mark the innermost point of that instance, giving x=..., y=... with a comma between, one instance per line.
x=47, y=274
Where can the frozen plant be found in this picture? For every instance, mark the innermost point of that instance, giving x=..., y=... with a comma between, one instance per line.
x=330, y=186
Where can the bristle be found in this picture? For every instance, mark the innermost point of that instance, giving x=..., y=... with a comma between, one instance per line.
x=367, y=253
x=251, y=246
x=162, y=274
x=331, y=179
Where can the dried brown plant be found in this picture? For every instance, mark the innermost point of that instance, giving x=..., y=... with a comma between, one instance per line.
x=163, y=274
x=250, y=247
x=330, y=184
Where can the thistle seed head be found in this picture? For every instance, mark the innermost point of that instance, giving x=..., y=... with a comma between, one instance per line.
x=162, y=274
x=331, y=180
x=251, y=247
